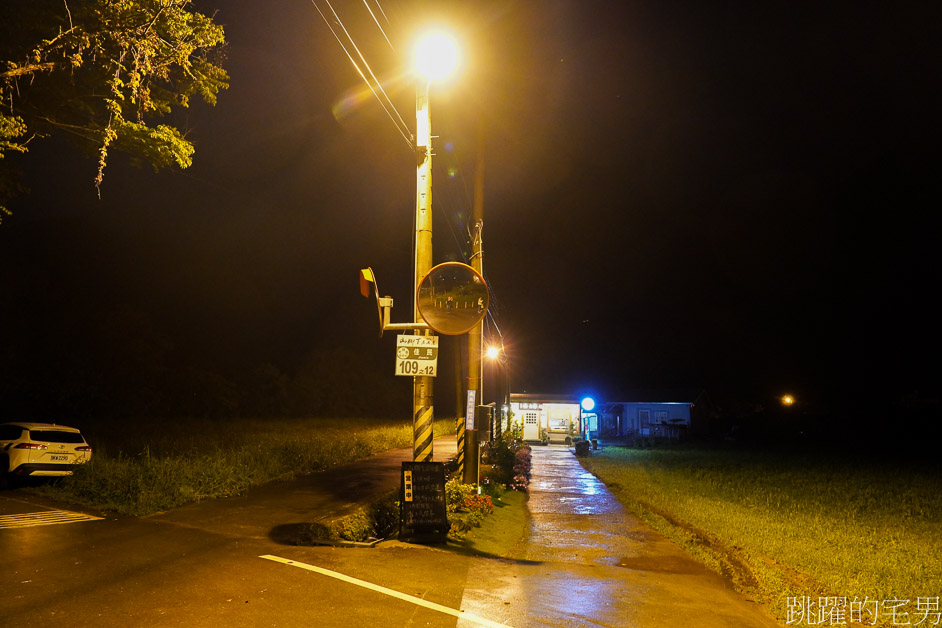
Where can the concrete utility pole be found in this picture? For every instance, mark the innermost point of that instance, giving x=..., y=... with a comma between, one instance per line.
x=422, y=397
x=469, y=450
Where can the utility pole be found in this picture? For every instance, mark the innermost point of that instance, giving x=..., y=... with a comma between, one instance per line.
x=422, y=398
x=476, y=335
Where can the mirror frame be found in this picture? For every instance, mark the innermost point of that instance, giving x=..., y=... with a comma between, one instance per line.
x=424, y=284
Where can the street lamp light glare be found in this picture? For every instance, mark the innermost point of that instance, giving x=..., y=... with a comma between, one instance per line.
x=436, y=56
x=493, y=353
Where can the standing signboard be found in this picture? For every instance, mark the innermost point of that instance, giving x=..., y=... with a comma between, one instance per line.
x=423, y=515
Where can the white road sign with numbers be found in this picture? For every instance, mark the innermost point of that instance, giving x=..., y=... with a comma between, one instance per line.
x=417, y=355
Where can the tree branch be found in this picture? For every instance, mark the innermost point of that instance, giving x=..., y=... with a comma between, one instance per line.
x=29, y=69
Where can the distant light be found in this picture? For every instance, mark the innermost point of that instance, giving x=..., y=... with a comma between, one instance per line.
x=493, y=352
x=436, y=56
x=787, y=400
x=588, y=404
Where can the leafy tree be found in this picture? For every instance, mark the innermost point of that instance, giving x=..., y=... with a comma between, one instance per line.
x=103, y=71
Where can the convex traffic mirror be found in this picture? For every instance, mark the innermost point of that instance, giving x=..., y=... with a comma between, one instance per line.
x=452, y=298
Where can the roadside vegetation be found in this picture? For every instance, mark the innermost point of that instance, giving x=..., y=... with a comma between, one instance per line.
x=505, y=469
x=144, y=467
x=785, y=525
x=505, y=477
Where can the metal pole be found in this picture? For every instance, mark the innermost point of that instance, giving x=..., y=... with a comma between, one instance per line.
x=422, y=409
x=507, y=391
x=499, y=418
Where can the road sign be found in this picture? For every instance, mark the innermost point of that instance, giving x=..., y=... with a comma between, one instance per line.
x=417, y=355
x=469, y=409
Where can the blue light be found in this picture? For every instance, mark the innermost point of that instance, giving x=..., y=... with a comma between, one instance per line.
x=588, y=404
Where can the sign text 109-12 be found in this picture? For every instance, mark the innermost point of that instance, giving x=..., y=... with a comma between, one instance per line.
x=417, y=355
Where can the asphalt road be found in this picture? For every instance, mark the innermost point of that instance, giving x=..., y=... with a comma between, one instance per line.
x=222, y=563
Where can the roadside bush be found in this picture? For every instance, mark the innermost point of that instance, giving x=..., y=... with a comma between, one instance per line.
x=385, y=514
x=464, y=522
x=356, y=527
x=456, y=493
x=466, y=509
x=523, y=461
x=492, y=488
x=375, y=521
x=378, y=520
x=510, y=460
x=479, y=503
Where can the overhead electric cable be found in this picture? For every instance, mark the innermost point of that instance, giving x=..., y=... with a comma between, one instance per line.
x=405, y=133
x=378, y=6
x=377, y=22
x=370, y=70
x=452, y=229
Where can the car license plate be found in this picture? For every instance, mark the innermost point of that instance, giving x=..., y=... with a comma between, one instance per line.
x=58, y=458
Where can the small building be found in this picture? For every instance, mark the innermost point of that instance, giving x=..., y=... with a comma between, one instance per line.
x=555, y=418
x=648, y=414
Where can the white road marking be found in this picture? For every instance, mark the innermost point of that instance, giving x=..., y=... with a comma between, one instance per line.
x=45, y=518
x=380, y=589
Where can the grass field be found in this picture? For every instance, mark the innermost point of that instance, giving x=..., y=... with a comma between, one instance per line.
x=785, y=525
x=141, y=467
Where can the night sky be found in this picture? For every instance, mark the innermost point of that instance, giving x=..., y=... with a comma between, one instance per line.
x=737, y=197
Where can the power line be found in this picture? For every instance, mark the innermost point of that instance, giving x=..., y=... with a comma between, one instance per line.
x=405, y=133
x=377, y=21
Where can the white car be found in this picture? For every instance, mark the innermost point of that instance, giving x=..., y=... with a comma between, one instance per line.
x=40, y=450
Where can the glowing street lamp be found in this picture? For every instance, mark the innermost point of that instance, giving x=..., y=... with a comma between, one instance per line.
x=787, y=400
x=435, y=57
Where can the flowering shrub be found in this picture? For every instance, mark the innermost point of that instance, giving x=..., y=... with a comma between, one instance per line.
x=456, y=493
x=521, y=469
x=466, y=509
x=523, y=461
x=479, y=503
x=511, y=460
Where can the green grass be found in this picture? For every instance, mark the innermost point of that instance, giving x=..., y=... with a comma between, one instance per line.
x=501, y=533
x=786, y=525
x=145, y=467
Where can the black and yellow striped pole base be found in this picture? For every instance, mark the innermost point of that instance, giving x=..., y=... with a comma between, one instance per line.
x=422, y=434
x=461, y=435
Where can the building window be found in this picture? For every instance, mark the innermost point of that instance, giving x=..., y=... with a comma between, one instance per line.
x=558, y=424
x=530, y=418
x=660, y=416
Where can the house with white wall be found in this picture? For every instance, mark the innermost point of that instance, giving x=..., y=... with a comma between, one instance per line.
x=557, y=417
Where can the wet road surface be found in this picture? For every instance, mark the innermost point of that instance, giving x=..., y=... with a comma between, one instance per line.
x=586, y=563
x=589, y=562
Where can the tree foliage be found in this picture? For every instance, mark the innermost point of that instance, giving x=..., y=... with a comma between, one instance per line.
x=104, y=72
